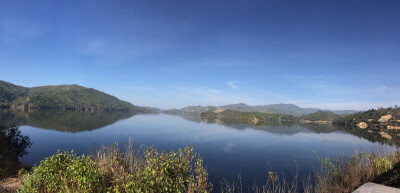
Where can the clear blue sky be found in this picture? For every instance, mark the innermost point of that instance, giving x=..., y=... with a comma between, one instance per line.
x=339, y=54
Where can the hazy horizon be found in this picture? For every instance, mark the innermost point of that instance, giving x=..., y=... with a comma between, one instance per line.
x=339, y=55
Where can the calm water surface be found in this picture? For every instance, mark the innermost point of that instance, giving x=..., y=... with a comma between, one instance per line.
x=227, y=149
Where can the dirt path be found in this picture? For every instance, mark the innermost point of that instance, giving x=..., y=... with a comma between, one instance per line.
x=10, y=184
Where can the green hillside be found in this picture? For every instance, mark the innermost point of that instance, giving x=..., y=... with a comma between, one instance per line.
x=238, y=107
x=320, y=116
x=375, y=118
x=60, y=97
x=254, y=118
x=190, y=110
x=10, y=92
x=290, y=109
x=71, y=97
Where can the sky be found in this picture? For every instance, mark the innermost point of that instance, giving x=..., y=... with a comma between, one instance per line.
x=338, y=54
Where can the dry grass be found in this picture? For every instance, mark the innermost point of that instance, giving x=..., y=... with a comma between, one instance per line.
x=346, y=176
x=107, y=156
x=10, y=184
x=273, y=184
x=115, y=165
x=339, y=175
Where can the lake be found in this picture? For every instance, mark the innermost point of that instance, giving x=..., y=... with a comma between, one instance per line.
x=227, y=149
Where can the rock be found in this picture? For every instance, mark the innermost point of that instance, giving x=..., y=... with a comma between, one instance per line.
x=375, y=188
x=218, y=110
x=385, y=118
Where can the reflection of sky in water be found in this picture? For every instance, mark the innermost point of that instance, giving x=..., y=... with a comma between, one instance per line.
x=226, y=151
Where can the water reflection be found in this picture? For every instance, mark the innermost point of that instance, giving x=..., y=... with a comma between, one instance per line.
x=86, y=121
x=227, y=148
x=14, y=145
x=288, y=128
x=64, y=121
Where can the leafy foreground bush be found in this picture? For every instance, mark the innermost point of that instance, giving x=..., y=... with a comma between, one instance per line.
x=109, y=170
x=63, y=172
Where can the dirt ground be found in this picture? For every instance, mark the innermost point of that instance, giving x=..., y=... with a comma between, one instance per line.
x=10, y=184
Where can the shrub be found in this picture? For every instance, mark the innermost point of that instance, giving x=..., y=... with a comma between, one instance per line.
x=63, y=172
x=173, y=172
x=382, y=165
x=110, y=170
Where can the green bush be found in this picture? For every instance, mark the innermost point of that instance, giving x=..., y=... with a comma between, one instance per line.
x=173, y=172
x=113, y=171
x=63, y=172
x=382, y=165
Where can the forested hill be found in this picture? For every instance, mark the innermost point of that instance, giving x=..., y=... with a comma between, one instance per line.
x=320, y=116
x=374, y=118
x=10, y=92
x=60, y=97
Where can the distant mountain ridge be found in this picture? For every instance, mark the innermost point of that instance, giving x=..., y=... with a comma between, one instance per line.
x=61, y=98
x=289, y=109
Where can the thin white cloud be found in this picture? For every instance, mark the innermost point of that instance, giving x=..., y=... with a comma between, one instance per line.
x=352, y=105
x=179, y=96
x=340, y=90
x=206, y=96
x=233, y=85
x=115, y=51
x=16, y=30
x=95, y=47
x=142, y=88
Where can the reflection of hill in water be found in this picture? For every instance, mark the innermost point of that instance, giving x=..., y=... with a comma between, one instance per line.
x=283, y=128
x=373, y=135
x=64, y=121
x=277, y=129
x=293, y=128
x=8, y=118
x=321, y=128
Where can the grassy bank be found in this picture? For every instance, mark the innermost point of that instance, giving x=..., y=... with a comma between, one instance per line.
x=110, y=170
x=342, y=175
x=339, y=175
